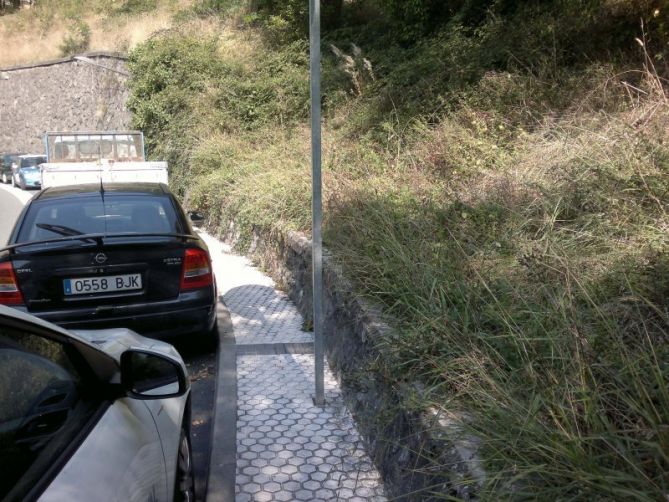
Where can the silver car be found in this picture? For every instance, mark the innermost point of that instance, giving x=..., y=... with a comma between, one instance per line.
x=91, y=415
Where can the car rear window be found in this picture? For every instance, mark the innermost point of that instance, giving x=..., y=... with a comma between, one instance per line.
x=50, y=219
x=32, y=161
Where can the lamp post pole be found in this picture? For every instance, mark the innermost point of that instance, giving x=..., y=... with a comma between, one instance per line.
x=316, y=202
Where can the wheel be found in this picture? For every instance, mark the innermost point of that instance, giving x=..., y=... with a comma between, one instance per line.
x=22, y=184
x=208, y=340
x=184, y=488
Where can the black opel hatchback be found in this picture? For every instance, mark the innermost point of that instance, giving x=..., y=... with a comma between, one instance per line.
x=118, y=255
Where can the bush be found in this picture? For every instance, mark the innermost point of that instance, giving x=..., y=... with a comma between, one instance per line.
x=135, y=6
x=77, y=39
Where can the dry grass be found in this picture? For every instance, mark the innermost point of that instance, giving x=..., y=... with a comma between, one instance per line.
x=33, y=35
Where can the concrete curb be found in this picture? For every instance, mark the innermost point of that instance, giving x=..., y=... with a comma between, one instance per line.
x=223, y=460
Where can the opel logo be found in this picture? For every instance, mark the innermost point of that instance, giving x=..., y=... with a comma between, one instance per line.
x=100, y=258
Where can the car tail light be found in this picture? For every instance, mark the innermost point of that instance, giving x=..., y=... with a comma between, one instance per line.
x=197, y=269
x=9, y=288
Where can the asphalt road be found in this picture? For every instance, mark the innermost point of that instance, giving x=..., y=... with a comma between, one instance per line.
x=201, y=362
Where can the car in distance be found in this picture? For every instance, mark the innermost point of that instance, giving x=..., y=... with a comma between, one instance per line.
x=91, y=415
x=110, y=255
x=6, y=162
x=26, y=173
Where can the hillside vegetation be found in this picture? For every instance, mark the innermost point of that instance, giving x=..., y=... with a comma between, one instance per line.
x=502, y=192
x=496, y=176
x=56, y=28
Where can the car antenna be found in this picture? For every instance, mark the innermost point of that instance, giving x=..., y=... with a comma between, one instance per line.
x=104, y=209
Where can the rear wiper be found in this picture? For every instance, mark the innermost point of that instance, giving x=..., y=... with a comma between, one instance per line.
x=58, y=229
x=63, y=230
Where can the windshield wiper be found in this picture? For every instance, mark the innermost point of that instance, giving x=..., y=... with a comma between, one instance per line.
x=63, y=230
x=58, y=229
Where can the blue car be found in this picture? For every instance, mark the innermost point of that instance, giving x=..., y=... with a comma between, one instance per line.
x=26, y=174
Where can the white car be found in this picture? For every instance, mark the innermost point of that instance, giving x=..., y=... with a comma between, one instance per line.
x=98, y=415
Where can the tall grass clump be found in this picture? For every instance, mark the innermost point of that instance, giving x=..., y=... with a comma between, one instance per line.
x=502, y=194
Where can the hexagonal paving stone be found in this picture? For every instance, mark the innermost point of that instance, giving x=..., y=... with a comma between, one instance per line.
x=261, y=478
x=311, y=485
x=262, y=496
x=345, y=493
x=300, y=477
x=291, y=486
x=251, y=488
x=304, y=495
x=307, y=468
x=272, y=487
x=325, y=494
x=278, y=462
x=250, y=471
x=283, y=496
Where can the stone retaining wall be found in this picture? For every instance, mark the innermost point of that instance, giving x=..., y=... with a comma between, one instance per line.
x=422, y=454
x=81, y=93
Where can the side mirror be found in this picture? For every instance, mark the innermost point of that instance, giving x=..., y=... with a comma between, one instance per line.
x=196, y=217
x=146, y=375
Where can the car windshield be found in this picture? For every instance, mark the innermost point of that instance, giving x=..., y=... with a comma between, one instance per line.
x=32, y=161
x=30, y=169
x=50, y=219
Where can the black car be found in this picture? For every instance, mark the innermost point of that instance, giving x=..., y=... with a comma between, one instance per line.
x=114, y=255
x=6, y=162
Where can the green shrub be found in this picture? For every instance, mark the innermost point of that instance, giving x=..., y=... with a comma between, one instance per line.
x=77, y=39
x=135, y=6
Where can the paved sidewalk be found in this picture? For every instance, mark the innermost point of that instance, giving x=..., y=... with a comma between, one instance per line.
x=285, y=448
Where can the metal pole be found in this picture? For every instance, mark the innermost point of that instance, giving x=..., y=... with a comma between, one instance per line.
x=316, y=202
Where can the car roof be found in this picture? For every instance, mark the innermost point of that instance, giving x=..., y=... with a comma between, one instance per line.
x=87, y=190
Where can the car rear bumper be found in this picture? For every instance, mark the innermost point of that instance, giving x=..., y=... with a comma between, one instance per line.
x=162, y=320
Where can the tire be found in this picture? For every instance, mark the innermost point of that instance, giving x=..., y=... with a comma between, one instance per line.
x=22, y=184
x=208, y=341
x=184, y=486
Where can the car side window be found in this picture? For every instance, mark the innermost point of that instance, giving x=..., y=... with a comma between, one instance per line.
x=41, y=397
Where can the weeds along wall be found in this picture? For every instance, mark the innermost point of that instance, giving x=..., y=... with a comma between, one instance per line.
x=510, y=217
x=71, y=94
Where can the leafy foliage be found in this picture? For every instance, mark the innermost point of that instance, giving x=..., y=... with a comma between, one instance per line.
x=171, y=74
x=78, y=38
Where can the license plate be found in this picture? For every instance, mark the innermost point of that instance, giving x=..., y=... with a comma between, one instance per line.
x=104, y=284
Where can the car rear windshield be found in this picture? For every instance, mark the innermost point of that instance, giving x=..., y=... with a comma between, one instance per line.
x=32, y=161
x=51, y=219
